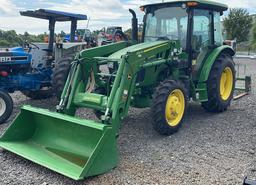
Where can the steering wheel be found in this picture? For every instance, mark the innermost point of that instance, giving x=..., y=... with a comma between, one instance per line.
x=27, y=43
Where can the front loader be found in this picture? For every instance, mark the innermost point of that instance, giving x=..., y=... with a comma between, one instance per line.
x=181, y=58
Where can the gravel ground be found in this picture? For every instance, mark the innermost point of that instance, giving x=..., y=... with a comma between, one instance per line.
x=209, y=149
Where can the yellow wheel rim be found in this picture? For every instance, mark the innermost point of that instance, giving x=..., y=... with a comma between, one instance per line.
x=175, y=108
x=226, y=83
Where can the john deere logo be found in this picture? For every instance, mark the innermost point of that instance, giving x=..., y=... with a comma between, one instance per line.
x=5, y=59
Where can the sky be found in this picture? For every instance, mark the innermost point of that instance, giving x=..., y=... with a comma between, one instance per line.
x=102, y=13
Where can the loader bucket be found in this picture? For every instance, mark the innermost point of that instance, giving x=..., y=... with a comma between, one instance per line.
x=70, y=146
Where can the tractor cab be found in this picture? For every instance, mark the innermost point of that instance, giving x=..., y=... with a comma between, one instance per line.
x=195, y=25
x=53, y=48
x=111, y=30
x=110, y=35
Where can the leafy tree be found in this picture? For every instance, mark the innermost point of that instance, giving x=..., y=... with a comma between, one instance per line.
x=11, y=38
x=238, y=24
x=4, y=43
x=254, y=37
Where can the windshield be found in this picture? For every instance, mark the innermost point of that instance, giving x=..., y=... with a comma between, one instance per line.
x=112, y=31
x=168, y=23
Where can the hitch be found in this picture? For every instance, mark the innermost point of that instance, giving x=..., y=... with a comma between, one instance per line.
x=247, y=87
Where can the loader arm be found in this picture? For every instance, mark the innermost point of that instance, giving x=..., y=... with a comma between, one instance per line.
x=115, y=105
x=79, y=73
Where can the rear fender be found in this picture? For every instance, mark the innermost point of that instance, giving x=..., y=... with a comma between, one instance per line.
x=207, y=66
x=203, y=75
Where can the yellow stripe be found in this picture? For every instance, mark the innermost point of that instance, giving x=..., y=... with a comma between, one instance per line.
x=150, y=49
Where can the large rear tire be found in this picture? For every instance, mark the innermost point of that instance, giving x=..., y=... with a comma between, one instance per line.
x=6, y=106
x=169, y=107
x=60, y=74
x=220, y=84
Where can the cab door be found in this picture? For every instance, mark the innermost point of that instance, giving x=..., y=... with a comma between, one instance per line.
x=202, y=39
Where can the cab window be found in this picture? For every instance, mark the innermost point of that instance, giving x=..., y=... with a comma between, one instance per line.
x=201, y=37
x=217, y=29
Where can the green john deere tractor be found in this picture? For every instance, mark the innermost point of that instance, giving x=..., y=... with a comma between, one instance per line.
x=182, y=58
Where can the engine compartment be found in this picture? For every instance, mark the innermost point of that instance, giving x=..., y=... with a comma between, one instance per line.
x=15, y=61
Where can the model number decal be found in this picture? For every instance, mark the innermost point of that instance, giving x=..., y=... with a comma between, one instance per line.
x=13, y=58
x=5, y=59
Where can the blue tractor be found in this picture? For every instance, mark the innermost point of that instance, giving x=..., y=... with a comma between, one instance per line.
x=36, y=69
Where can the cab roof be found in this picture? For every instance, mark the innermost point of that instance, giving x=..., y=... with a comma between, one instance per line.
x=205, y=4
x=52, y=14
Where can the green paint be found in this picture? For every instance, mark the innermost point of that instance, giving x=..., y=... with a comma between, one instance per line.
x=207, y=65
x=67, y=145
x=79, y=148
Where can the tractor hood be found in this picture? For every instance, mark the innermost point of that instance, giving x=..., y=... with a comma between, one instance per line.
x=15, y=56
x=137, y=47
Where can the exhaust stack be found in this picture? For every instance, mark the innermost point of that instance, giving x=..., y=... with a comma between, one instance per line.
x=134, y=26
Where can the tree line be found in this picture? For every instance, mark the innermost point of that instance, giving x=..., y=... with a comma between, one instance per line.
x=238, y=24
x=12, y=39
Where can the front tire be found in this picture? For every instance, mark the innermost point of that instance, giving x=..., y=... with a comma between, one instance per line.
x=220, y=84
x=169, y=107
x=6, y=106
